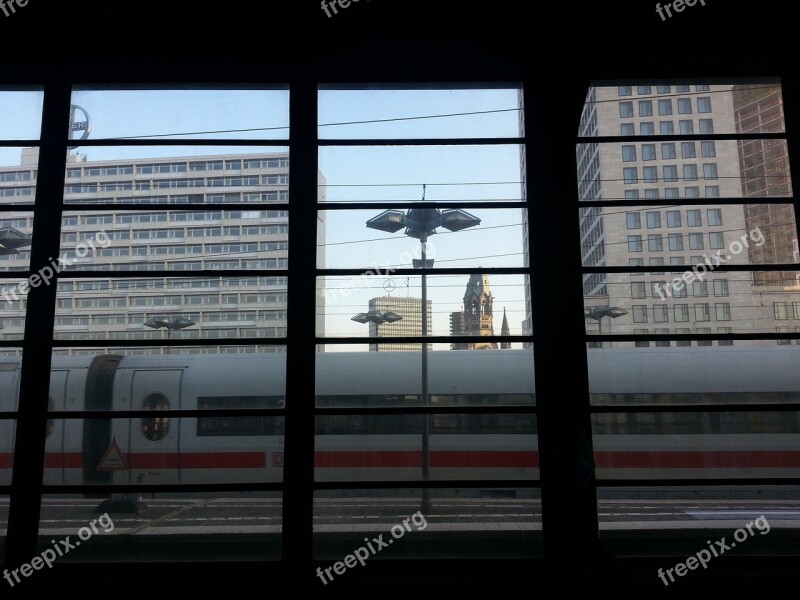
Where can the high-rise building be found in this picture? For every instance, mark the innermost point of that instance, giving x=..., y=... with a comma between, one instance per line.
x=765, y=173
x=476, y=317
x=163, y=239
x=410, y=309
x=672, y=235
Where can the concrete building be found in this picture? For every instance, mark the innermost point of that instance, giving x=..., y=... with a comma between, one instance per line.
x=765, y=173
x=669, y=238
x=162, y=237
x=410, y=309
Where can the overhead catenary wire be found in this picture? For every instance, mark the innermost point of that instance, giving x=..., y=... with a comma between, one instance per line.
x=342, y=123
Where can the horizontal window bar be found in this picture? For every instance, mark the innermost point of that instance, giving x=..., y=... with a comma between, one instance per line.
x=681, y=137
x=160, y=141
x=439, y=339
x=667, y=408
x=661, y=203
x=440, y=483
x=706, y=482
x=421, y=141
x=163, y=343
x=422, y=410
x=205, y=207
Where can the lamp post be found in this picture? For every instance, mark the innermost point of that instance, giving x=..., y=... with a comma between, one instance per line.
x=11, y=239
x=170, y=324
x=378, y=318
x=374, y=316
x=420, y=223
x=597, y=313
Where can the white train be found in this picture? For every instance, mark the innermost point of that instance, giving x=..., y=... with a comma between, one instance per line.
x=224, y=449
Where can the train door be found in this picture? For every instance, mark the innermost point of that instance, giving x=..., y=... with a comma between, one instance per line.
x=154, y=442
x=56, y=456
x=97, y=432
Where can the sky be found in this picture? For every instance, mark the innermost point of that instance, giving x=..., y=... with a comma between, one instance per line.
x=352, y=174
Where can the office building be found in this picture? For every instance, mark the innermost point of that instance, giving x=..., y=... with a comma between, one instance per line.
x=164, y=239
x=410, y=309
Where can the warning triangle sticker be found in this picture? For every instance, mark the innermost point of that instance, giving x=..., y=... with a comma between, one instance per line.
x=112, y=460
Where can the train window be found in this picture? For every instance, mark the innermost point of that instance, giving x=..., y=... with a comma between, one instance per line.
x=491, y=424
x=155, y=428
x=232, y=425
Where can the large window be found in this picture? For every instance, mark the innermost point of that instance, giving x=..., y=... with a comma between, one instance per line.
x=397, y=313
x=287, y=316
x=647, y=427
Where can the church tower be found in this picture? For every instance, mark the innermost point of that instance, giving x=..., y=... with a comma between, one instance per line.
x=476, y=317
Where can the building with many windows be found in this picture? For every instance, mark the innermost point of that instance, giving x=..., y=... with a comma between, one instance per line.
x=218, y=238
x=765, y=173
x=666, y=232
x=410, y=309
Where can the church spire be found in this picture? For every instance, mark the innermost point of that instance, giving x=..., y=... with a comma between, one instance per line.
x=505, y=330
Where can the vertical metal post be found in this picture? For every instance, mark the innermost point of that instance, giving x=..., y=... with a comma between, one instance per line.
x=426, y=455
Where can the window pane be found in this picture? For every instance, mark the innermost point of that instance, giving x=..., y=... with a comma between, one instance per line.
x=178, y=175
x=20, y=116
x=479, y=238
x=4, y=502
x=19, y=168
x=245, y=526
x=8, y=427
x=186, y=113
x=356, y=447
x=16, y=231
x=423, y=113
x=388, y=375
x=398, y=173
x=733, y=107
x=628, y=153
x=175, y=240
x=693, y=517
x=457, y=305
x=693, y=292
x=695, y=445
x=342, y=518
x=171, y=308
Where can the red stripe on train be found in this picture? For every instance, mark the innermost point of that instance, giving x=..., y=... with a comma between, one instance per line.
x=441, y=459
x=197, y=460
x=713, y=459
x=67, y=460
x=193, y=460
